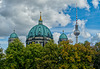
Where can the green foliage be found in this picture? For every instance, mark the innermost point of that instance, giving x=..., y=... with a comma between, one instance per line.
x=1, y=58
x=97, y=46
x=78, y=56
x=15, y=55
x=97, y=60
x=20, y=57
x=86, y=44
x=1, y=53
x=51, y=56
x=33, y=55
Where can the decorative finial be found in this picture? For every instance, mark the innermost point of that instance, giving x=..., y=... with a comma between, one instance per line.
x=40, y=17
x=14, y=30
x=40, y=21
x=63, y=31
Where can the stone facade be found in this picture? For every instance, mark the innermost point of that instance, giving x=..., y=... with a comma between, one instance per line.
x=62, y=40
x=10, y=40
x=41, y=40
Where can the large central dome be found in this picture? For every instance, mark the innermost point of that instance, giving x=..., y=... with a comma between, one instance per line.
x=40, y=30
x=39, y=34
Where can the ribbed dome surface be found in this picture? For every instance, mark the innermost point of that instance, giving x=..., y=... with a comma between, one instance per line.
x=63, y=36
x=40, y=30
x=13, y=35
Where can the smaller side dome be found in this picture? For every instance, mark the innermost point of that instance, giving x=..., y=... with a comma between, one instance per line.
x=63, y=36
x=13, y=35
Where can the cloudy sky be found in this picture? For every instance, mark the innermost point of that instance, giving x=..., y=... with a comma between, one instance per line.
x=58, y=15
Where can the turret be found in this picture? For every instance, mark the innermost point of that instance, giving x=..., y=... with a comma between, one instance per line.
x=62, y=37
x=12, y=37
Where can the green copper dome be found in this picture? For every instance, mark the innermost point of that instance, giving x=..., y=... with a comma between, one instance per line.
x=40, y=30
x=63, y=36
x=13, y=35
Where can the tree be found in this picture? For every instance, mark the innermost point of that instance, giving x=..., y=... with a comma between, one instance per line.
x=15, y=55
x=50, y=56
x=1, y=53
x=1, y=58
x=33, y=55
x=87, y=44
x=78, y=56
x=97, y=59
x=20, y=57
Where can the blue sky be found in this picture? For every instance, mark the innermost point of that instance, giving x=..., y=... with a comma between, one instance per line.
x=58, y=15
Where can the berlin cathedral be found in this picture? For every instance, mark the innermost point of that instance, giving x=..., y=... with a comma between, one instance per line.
x=39, y=34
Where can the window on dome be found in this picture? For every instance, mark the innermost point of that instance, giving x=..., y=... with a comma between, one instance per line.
x=31, y=34
x=35, y=32
x=39, y=28
x=48, y=34
x=39, y=33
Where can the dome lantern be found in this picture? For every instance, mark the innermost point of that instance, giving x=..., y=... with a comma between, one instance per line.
x=40, y=20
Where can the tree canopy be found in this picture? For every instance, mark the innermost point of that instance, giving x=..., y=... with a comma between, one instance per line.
x=51, y=56
x=97, y=59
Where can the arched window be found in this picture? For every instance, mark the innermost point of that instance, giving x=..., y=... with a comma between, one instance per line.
x=31, y=34
x=48, y=35
x=39, y=28
x=39, y=33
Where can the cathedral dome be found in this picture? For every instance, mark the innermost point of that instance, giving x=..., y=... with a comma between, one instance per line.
x=63, y=36
x=40, y=30
x=13, y=35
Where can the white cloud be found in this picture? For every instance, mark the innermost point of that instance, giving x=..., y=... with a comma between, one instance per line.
x=24, y=14
x=53, y=19
x=66, y=29
x=96, y=38
x=93, y=31
x=85, y=34
x=83, y=3
x=2, y=37
x=56, y=37
x=71, y=36
x=3, y=42
x=95, y=3
x=23, y=39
